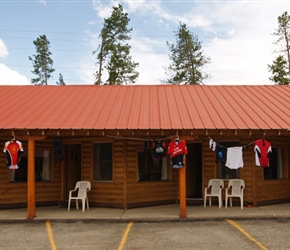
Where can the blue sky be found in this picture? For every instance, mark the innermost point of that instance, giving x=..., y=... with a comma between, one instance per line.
x=236, y=35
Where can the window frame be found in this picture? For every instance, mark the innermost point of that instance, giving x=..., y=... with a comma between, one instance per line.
x=103, y=161
x=283, y=153
x=23, y=167
x=149, y=176
x=233, y=173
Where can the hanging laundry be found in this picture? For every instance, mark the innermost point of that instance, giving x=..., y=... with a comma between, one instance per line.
x=235, y=158
x=177, y=149
x=13, y=150
x=263, y=151
x=212, y=144
x=177, y=161
x=58, y=149
x=159, y=149
x=221, y=154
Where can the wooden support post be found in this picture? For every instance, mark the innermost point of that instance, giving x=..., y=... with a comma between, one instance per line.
x=31, y=210
x=182, y=192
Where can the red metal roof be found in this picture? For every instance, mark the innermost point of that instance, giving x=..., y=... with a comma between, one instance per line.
x=145, y=107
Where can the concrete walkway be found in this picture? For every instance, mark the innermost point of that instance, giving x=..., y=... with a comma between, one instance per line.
x=155, y=213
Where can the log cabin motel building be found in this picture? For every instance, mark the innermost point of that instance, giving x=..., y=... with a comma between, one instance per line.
x=108, y=135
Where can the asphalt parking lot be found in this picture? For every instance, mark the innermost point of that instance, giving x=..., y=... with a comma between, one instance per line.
x=208, y=234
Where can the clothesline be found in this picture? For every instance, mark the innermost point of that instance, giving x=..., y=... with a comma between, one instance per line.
x=233, y=158
x=169, y=137
x=141, y=139
x=148, y=140
x=244, y=146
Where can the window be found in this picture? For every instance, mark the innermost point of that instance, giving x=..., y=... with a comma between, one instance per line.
x=275, y=169
x=42, y=167
x=103, y=164
x=223, y=172
x=151, y=169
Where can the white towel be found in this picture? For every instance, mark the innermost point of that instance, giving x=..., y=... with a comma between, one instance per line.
x=235, y=158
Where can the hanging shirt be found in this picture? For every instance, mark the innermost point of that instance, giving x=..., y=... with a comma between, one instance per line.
x=235, y=158
x=177, y=149
x=58, y=149
x=221, y=154
x=263, y=152
x=13, y=150
x=212, y=144
x=159, y=149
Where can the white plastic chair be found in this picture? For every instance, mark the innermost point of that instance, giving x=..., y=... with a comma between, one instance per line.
x=82, y=187
x=235, y=189
x=214, y=189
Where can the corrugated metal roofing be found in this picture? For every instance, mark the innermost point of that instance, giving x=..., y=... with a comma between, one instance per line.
x=145, y=107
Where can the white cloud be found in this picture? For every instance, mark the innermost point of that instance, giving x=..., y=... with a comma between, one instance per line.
x=43, y=2
x=3, y=49
x=155, y=8
x=143, y=7
x=11, y=77
x=103, y=10
x=237, y=60
x=86, y=71
x=8, y=76
x=151, y=73
x=145, y=51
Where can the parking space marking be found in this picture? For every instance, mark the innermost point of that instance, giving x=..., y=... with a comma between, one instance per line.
x=125, y=236
x=244, y=232
x=50, y=235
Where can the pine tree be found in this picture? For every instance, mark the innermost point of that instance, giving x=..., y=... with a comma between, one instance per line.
x=280, y=68
x=60, y=80
x=187, y=59
x=280, y=75
x=114, y=51
x=42, y=62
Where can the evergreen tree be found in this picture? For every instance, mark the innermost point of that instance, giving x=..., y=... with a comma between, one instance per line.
x=60, y=80
x=42, y=62
x=280, y=68
x=114, y=51
x=187, y=59
x=279, y=71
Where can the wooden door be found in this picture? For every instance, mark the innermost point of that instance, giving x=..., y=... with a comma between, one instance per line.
x=72, y=167
x=194, y=170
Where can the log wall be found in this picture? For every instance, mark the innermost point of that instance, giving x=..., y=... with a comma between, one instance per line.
x=258, y=191
x=125, y=191
x=15, y=193
x=147, y=191
x=274, y=191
